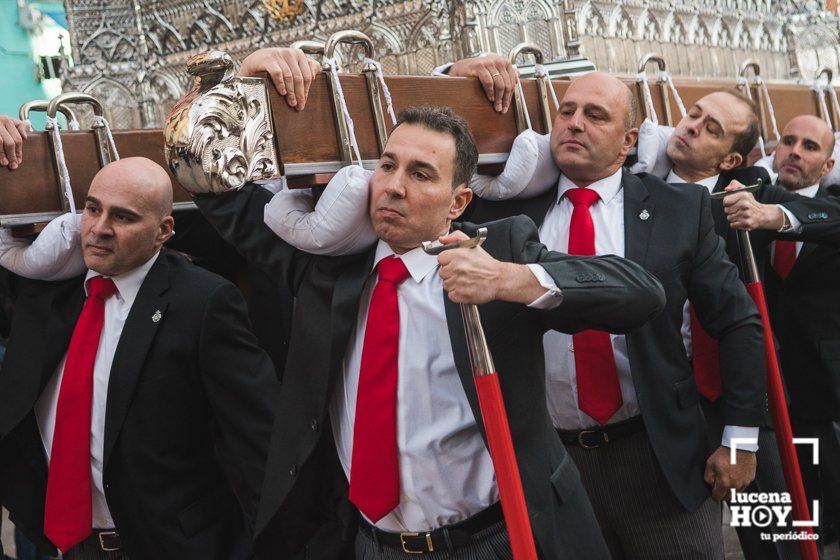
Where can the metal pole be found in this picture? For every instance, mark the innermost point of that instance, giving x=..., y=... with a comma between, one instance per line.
x=496, y=425
x=778, y=405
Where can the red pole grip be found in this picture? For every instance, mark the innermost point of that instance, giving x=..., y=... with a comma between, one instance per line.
x=507, y=471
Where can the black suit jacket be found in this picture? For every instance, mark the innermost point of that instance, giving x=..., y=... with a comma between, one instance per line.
x=677, y=242
x=606, y=292
x=805, y=309
x=182, y=390
x=820, y=218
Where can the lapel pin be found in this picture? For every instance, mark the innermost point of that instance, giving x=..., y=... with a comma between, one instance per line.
x=644, y=215
x=157, y=315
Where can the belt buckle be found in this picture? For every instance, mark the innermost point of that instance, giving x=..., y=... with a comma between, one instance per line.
x=586, y=445
x=102, y=542
x=429, y=546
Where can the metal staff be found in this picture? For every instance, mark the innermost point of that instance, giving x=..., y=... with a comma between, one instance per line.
x=775, y=392
x=495, y=419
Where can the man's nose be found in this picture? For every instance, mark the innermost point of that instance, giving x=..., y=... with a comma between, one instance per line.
x=395, y=185
x=101, y=226
x=576, y=121
x=692, y=127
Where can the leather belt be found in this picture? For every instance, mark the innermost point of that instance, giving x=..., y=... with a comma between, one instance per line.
x=597, y=437
x=445, y=538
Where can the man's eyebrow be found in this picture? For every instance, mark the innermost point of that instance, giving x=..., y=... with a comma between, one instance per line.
x=420, y=164
x=709, y=117
x=586, y=106
x=114, y=209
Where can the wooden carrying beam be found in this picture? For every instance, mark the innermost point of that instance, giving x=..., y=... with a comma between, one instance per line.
x=307, y=143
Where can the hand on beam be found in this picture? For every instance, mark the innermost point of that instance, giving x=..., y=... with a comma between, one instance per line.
x=290, y=69
x=12, y=134
x=497, y=75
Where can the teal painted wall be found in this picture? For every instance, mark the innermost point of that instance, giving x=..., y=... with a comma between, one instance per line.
x=17, y=65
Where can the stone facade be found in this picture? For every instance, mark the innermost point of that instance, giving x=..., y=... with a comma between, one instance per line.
x=131, y=53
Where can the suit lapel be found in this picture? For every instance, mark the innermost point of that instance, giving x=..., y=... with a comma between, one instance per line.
x=458, y=338
x=27, y=386
x=722, y=181
x=136, y=339
x=345, y=305
x=639, y=217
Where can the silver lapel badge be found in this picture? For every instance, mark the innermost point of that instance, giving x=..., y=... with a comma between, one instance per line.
x=644, y=215
x=157, y=315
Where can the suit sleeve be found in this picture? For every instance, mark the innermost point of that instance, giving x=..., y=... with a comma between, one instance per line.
x=727, y=312
x=820, y=217
x=239, y=381
x=238, y=218
x=606, y=293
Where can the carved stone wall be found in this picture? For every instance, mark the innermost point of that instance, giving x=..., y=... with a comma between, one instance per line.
x=131, y=53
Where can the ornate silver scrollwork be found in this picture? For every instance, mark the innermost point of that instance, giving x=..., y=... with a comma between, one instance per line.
x=220, y=135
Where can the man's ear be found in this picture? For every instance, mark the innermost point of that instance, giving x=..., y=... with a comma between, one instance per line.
x=827, y=167
x=630, y=138
x=166, y=229
x=461, y=197
x=732, y=160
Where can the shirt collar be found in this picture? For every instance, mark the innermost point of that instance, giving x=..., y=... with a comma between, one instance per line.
x=708, y=182
x=810, y=192
x=607, y=188
x=417, y=261
x=128, y=283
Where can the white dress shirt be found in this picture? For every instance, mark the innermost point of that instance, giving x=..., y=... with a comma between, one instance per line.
x=446, y=474
x=561, y=376
x=810, y=192
x=117, y=308
x=608, y=218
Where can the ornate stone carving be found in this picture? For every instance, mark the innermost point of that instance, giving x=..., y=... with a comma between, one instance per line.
x=132, y=42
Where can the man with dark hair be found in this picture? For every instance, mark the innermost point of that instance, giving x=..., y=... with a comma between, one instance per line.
x=708, y=147
x=378, y=389
x=802, y=293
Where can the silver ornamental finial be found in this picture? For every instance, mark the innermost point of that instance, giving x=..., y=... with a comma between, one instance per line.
x=220, y=135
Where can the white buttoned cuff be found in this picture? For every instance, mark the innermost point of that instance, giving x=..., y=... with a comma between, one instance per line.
x=553, y=296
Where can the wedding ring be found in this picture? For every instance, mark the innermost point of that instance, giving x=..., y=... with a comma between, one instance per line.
x=496, y=74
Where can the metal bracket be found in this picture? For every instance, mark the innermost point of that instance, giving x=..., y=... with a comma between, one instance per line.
x=103, y=147
x=831, y=106
x=542, y=86
x=663, y=85
x=40, y=105
x=352, y=37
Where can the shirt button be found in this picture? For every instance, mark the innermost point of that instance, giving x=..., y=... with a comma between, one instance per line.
x=293, y=470
x=314, y=425
x=571, y=347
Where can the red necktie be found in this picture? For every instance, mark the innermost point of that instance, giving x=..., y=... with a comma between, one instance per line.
x=784, y=257
x=599, y=394
x=704, y=360
x=374, y=470
x=67, y=515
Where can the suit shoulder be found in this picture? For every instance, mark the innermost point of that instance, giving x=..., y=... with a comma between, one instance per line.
x=183, y=272
x=676, y=193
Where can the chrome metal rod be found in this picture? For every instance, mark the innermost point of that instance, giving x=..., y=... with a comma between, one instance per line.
x=750, y=188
